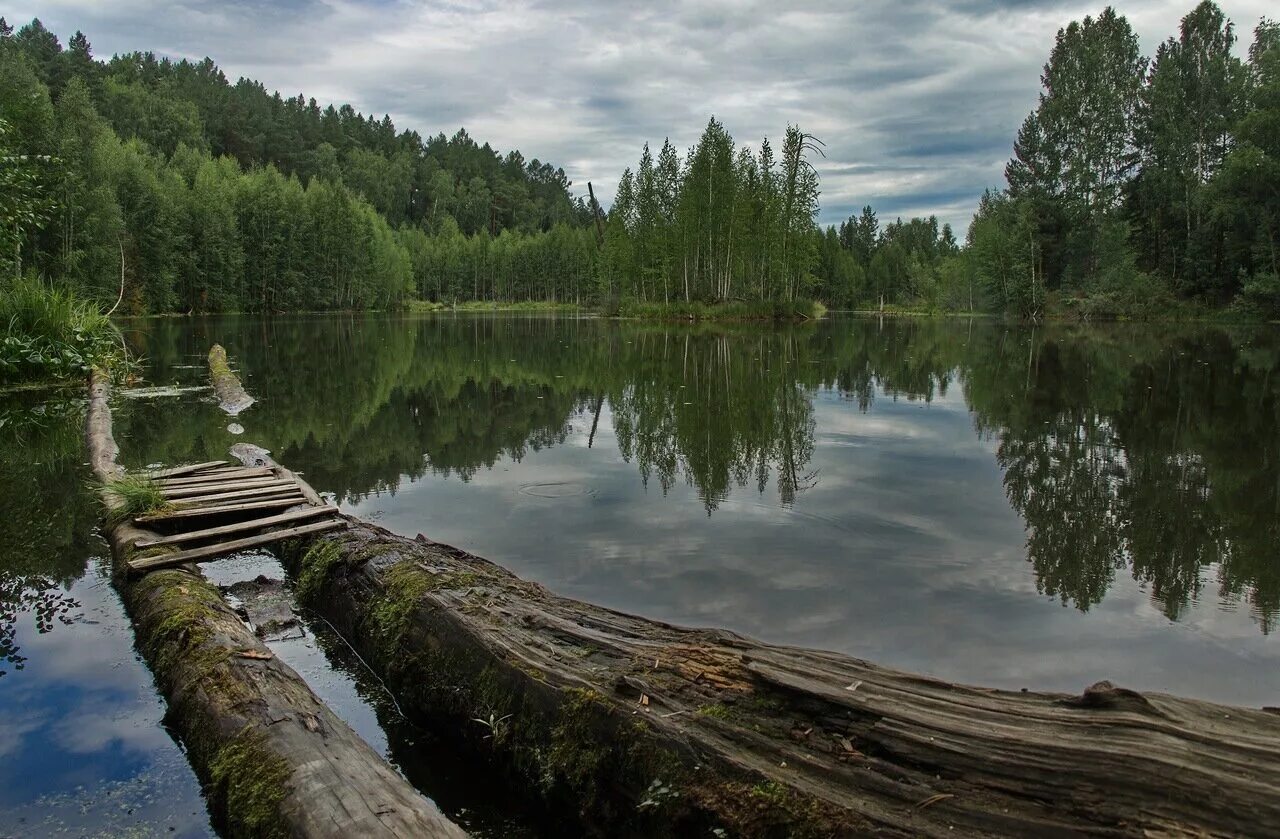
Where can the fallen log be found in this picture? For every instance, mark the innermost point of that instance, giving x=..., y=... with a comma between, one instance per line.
x=643, y=727
x=274, y=760
x=226, y=384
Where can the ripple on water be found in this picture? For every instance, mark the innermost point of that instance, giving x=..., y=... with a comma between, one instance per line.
x=556, y=489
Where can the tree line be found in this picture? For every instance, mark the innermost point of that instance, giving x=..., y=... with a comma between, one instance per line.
x=1137, y=182
x=162, y=184
x=1135, y=185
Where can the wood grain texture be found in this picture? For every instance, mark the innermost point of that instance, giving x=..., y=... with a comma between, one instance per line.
x=247, y=526
x=291, y=499
x=203, y=554
x=763, y=739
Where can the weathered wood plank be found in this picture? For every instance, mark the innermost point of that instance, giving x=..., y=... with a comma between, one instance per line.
x=225, y=486
x=238, y=527
x=205, y=478
x=223, y=496
x=138, y=566
x=767, y=740
x=183, y=470
x=222, y=509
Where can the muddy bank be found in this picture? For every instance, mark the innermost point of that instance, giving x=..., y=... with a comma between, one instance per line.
x=639, y=727
x=274, y=760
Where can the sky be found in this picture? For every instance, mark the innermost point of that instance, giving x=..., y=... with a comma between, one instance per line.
x=917, y=102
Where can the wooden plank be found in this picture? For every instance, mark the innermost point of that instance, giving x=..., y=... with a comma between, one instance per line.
x=179, y=493
x=230, y=467
x=211, y=551
x=283, y=492
x=238, y=527
x=204, y=478
x=220, y=509
x=182, y=470
x=226, y=496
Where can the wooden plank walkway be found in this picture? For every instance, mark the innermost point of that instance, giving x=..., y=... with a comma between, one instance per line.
x=250, y=506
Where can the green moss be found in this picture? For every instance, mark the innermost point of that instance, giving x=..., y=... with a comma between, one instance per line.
x=219, y=367
x=248, y=779
x=315, y=567
x=187, y=606
x=773, y=793
x=576, y=755
x=719, y=711
x=406, y=585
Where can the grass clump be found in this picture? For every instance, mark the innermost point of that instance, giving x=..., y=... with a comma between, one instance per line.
x=136, y=496
x=48, y=334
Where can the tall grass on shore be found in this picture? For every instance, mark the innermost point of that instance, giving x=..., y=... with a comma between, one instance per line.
x=47, y=334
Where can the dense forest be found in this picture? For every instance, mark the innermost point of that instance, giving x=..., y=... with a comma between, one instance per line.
x=1139, y=181
x=1137, y=186
x=203, y=195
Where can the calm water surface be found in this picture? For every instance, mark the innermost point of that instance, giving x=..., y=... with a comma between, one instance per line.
x=1035, y=508
x=1005, y=506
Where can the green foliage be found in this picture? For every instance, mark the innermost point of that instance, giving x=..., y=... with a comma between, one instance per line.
x=48, y=334
x=1128, y=186
x=723, y=225
x=201, y=196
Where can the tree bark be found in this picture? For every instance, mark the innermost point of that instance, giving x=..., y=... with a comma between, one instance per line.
x=642, y=727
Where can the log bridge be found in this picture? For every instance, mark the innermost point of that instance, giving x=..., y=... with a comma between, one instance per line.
x=617, y=725
x=255, y=505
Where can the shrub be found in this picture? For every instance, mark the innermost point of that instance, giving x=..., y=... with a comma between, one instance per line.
x=48, y=334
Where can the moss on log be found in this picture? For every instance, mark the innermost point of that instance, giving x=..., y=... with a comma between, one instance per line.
x=226, y=384
x=275, y=761
x=639, y=726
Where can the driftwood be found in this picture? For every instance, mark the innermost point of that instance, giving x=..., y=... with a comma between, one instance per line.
x=646, y=728
x=226, y=384
x=274, y=759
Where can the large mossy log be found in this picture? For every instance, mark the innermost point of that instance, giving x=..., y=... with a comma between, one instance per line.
x=226, y=384
x=646, y=728
x=274, y=759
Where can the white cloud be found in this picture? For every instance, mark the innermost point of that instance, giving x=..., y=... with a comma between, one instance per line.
x=917, y=102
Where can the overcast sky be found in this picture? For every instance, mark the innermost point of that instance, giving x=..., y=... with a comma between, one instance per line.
x=917, y=102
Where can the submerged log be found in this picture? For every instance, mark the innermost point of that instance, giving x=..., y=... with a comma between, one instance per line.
x=649, y=728
x=226, y=384
x=274, y=759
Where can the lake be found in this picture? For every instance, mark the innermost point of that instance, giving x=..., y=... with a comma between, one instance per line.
x=1009, y=506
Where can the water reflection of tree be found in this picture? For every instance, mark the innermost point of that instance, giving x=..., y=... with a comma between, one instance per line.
x=720, y=408
x=46, y=516
x=1123, y=448
x=1137, y=450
